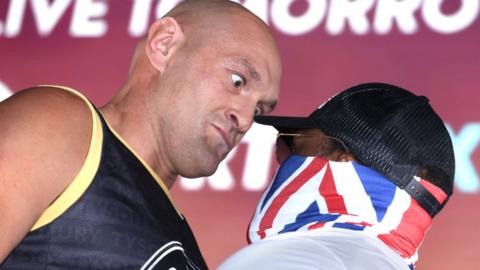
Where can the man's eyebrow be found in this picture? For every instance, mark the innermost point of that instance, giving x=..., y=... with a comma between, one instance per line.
x=253, y=72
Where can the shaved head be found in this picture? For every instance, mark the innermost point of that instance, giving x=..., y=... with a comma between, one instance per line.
x=196, y=81
x=200, y=18
x=201, y=10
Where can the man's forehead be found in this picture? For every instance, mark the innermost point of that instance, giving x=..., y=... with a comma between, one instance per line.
x=234, y=29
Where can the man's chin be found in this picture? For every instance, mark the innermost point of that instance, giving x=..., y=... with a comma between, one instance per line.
x=222, y=151
x=204, y=170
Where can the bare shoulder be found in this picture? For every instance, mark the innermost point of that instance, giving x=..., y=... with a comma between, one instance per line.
x=44, y=138
x=42, y=97
x=43, y=120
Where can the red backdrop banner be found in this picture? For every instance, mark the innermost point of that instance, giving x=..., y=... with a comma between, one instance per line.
x=427, y=46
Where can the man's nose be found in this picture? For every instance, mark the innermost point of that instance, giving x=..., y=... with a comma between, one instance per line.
x=241, y=118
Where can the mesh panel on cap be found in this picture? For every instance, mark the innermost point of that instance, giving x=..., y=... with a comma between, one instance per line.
x=389, y=129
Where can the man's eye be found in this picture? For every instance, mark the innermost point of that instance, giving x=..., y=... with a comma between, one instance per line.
x=258, y=110
x=237, y=80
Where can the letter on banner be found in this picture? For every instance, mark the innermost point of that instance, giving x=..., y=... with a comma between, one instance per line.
x=85, y=19
x=355, y=12
x=139, y=17
x=165, y=6
x=464, y=143
x=14, y=19
x=403, y=12
x=297, y=25
x=46, y=15
x=448, y=24
x=261, y=143
x=5, y=92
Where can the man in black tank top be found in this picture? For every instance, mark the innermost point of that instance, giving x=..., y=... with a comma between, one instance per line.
x=88, y=188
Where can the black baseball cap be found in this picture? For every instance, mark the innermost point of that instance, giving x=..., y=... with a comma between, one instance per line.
x=389, y=129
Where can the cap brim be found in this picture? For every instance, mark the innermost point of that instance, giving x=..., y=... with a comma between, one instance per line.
x=285, y=122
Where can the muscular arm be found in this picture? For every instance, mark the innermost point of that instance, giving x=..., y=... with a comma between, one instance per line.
x=44, y=138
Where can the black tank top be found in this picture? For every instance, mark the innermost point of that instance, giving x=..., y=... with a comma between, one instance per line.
x=116, y=214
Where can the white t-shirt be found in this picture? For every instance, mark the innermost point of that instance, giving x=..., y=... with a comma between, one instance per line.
x=319, y=250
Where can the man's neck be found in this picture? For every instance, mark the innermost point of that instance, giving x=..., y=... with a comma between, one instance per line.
x=137, y=134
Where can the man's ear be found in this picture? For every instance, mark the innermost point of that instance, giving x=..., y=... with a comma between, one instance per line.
x=164, y=37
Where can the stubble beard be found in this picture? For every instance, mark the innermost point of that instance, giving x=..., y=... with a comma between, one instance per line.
x=199, y=156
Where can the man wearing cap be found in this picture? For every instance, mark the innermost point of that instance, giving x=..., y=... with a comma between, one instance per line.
x=360, y=181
